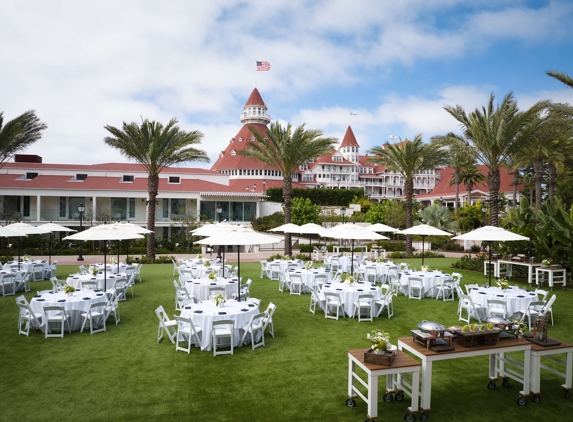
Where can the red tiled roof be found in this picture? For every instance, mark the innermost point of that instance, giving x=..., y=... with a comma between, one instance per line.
x=447, y=174
x=127, y=167
x=238, y=185
x=255, y=99
x=349, y=139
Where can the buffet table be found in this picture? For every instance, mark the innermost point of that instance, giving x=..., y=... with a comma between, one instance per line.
x=497, y=363
x=537, y=352
x=530, y=267
x=403, y=364
x=553, y=275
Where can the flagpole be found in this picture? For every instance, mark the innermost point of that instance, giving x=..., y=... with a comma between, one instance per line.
x=255, y=72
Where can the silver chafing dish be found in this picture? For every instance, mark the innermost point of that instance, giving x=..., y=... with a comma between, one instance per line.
x=430, y=334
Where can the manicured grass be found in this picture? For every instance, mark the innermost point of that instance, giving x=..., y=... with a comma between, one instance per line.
x=300, y=375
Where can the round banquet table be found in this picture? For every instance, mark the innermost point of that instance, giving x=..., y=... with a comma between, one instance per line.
x=203, y=314
x=516, y=299
x=431, y=280
x=199, y=287
x=79, y=302
x=382, y=268
x=349, y=293
x=308, y=276
x=76, y=280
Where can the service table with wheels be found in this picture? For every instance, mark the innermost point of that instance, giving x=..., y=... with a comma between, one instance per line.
x=537, y=352
x=553, y=275
x=396, y=381
x=498, y=363
x=530, y=267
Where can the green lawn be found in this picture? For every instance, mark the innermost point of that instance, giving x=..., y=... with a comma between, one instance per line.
x=300, y=375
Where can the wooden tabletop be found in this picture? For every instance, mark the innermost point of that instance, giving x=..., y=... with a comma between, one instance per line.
x=508, y=342
x=402, y=360
x=563, y=345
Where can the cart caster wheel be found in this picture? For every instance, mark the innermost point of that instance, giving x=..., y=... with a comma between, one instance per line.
x=409, y=417
x=505, y=382
x=522, y=401
x=491, y=385
x=566, y=394
x=399, y=396
x=388, y=397
x=423, y=416
x=350, y=402
x=536, y=398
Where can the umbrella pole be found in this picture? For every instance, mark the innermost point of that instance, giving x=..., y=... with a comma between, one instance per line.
x=238, y=272
x=310, y=253
x=50, y=253
x=104, y=266
x=490, y=264
x=352, y=260
x=223, y=263
x=423, y=238
x=118, y=248
x=19, y=253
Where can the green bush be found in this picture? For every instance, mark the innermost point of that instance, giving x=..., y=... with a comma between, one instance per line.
x=468, y=262
x=475, y=248
x=302, y=257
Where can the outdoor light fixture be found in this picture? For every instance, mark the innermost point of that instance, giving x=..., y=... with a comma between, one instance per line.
x=264, y=185
x=219, y=211
x=342, y=213
x=81, y=210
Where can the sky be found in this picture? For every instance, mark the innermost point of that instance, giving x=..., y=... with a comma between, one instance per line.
x=386, y=68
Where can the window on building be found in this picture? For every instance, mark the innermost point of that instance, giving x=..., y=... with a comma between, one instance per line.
x=31, y=176
x=126, y=178
x=118, y=209
x=174, y=179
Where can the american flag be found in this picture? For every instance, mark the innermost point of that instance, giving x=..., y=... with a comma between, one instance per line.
x=263, y=66
x=392, y=137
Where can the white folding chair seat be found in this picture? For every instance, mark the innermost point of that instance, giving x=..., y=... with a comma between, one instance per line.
x=254, y=328
x=497, y=307
x=187, y=333
x=28, y=318
x=166, y=325
x=96, y=316
x=416, y=288
x=332, y=303
x=223, y=329
x=365, y=302
x=295, y=284
x=8, y=284
x=56, y=315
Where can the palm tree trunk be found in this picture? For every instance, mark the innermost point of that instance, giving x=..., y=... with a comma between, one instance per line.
x=552, y=172
x=152, y=188
x=538, y=170
x=493, y=182
x=457, y=182
x=409, y=190
x=469, y=188
x=515, y=183
x=287, y=193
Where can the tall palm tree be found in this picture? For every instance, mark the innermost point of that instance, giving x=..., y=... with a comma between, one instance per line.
x=409, y=158
x=18, y=133
x=566, y=80
x=490, y=132
x=438, y=216
x=285, y=149
x=469, y=177
x=155, y=147
x=458, y=158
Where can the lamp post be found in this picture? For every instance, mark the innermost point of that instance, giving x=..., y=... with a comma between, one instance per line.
x=81, y=210
x=483, y=210
x=219, y=211
x=343, y=213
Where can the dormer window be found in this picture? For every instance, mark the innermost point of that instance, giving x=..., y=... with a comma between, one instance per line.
x=174, y=179
x=30, y=176
x=233, y=153
x=221, y=155
x=253, y=139
x=127, y=178
x=240, y=139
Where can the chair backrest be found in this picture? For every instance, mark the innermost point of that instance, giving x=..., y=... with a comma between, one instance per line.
x=271, y=308
x=223, y=322
x=549, y=304
x=162, y=315
x=457, y=277
x=496, y=303
x=541, y=294
x=366, y=297
x=470, y=287
x=331, y=296
x=182, y=292
x=92, y=285
x=415, y=281
x=216, y=290
x=404, y=266
x=54, y=310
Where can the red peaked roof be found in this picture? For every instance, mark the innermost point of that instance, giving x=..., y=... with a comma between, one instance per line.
x=349, y=139
x=255, y=99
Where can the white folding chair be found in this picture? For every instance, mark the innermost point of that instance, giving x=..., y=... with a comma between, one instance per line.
x=533, y=309
x=365, y=302
x=38, y=272
x=472, y=310
x=8, y=284
x=112, y=308
x=316, y=298
x=96, y=316
x=469, y=287
x=187, y=333
x=415, y=288
x=283, y=282
x=166, y=325
x=497, y=307
x=220, y=330
x=255, y=326
x=28, y=318
x=386, y=303
x=56, y=315
x=295, y=283
x=446, y=290
x=332, y=303
x=268, y=322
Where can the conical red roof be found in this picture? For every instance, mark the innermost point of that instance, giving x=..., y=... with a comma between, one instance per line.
x=349, y=139
x=255, y=99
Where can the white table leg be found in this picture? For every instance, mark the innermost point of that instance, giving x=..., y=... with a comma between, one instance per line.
x=351, y=365
x=426, y=385
x=415, y=392
x=568, y=369
x=535, y=374
x=373, y=395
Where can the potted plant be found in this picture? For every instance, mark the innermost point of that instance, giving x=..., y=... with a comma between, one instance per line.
x=381, y=352
x=502, y=283
x=69, y=289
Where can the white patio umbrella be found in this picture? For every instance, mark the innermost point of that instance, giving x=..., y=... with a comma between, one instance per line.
x=105, y=232
x=351, y=232
x=20, y=230
x=424, y=230
x=308, y=228
x=381, y=228
x=491, y=234
x=53, y=227
x=212, y=230
x=131, y=227
x=239, y=236
x=287, y=228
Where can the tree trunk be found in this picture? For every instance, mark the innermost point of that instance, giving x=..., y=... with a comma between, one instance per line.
x=457, y=182
x=515, y=183
x=493, y=183
x=152, y=188
x=469, y=188
x=538, y=169
x=409, y=190
x=287, y=193
x=552, y=172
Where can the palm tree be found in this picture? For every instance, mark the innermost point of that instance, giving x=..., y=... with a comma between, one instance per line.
x=438, y=216
x=285, y=149
x=409, y=158
x=18, y=133
x=469, y=177
x=458, y=158
x=566, y=80
x=155, y=147
x=491, y=132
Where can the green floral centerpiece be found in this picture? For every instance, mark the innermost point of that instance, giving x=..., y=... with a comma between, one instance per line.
x=207, y=263
x=113, y=260
x=502, y=283
x=379, y=259
x=199, y=256
x=425, y=268
x=546, y=262
x=68, y=288
x=220, y=299
x=287, y=257
x=308, y=265
x=344, y=253
x=212, y=275
x=94, y=270
x=25, y=257
x=381, y=351
x=349, y=279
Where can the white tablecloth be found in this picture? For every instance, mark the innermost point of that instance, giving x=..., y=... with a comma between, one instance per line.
x=27, y=266
x=431, y=280
x=17, y=281
x=349, y=293
x=382, y=268
x=307, y=276
x=199, y=288
x=285, y=264
x=203, y=314
x=115, y=268
x=76, y=280
x=74, y=305
x=345, y=261
x=516, y=299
